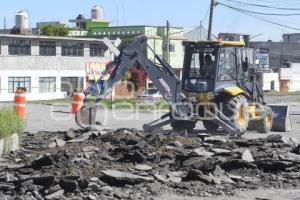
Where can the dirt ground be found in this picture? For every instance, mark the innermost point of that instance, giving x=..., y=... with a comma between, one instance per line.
x=262, y=194
x=156, y=166
x=57, y=118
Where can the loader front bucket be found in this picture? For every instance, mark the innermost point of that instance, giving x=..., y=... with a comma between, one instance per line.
x=281, y=118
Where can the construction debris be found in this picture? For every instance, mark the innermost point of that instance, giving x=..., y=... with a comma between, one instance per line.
x=126, y=164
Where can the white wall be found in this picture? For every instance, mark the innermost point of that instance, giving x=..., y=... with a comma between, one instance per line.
x=36, y=66
x=34, y=94
x=294, y=85
x=293, y=75
x=268, y=78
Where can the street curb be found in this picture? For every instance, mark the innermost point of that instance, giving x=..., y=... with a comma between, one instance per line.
x=9, y=144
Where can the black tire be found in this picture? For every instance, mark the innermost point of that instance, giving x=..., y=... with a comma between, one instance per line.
x=265, y=124
x=180, y=125
x=210, y=125
x=236, y=109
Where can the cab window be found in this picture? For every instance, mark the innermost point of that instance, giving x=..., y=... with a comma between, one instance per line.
x=227, y=64
x=202, y=63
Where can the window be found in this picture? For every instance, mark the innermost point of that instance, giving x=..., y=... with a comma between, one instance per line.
x=15, y=82
x=272, y=85
x=47, y=48
x=171, y=47
x=47, y=84
x=200, y=72
x=72, y=49
x=19, y=47
x=97, y=50
x=286, y=65
x=68, y=84
x=202, y=63
x=227, y=63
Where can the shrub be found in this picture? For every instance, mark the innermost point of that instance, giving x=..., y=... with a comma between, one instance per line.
x=54, y=30
x=138, y=77
x=162, y=105
x=10, y=122
x=127, y=76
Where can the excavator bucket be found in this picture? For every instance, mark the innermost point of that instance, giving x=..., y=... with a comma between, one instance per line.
x=86, y=117
x=281, y=118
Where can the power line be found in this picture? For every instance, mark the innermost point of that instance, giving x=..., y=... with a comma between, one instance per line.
x=260, y=18
x=293, y=4
x=206, y=14
x=273, y=1
x=279, y=20
x=260, y=13
x=263, y=6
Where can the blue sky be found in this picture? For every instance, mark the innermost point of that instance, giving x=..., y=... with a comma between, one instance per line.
x=155, y=12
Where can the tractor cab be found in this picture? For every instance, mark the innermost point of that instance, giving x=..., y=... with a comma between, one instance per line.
x=210, y=66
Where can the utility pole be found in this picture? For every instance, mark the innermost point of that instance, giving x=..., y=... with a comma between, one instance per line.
x=168, y=42
x=211, y=14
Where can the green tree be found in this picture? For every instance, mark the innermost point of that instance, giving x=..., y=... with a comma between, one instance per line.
x=54, y=30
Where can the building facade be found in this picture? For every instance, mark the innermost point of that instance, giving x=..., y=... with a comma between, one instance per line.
x=271, y=82
x=197, y=34
x=280, y=52
x=290, y=77
x=48, y=67
x=157, y=40
x=291, y=38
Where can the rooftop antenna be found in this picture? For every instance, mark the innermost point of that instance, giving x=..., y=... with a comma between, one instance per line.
x=29, y=22
x=4, y=23
x=123, y=14
x=118, y=15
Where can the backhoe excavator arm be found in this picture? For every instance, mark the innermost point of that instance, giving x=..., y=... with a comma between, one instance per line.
x=163, y=77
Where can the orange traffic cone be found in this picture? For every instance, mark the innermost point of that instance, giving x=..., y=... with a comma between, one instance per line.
x=77, y=102
x=19, y=102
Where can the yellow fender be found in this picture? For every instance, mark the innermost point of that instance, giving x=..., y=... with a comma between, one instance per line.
x=233, y=91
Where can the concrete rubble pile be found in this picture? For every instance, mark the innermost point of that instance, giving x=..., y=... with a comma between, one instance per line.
x=127, y=164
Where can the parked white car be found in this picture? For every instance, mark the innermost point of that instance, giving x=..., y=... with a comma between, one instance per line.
x=151, y=94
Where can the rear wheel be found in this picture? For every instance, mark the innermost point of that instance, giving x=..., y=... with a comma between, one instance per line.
x=236, y=109
x=265, y=124
x=210, y=125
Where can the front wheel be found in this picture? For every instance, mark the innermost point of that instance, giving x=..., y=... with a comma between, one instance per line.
x=236, y=110
x=265, y=124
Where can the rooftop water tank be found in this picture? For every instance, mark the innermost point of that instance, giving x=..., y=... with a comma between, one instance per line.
x=97, y=12
x=22, y=20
